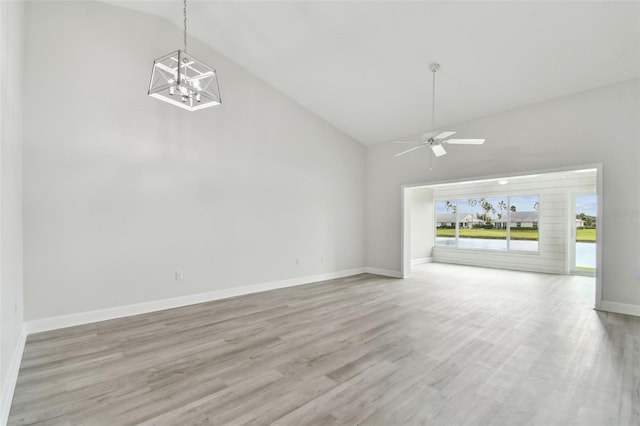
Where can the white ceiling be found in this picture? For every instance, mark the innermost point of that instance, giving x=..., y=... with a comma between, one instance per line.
x=363, y=65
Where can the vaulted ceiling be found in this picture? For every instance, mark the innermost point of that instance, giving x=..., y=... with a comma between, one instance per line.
x=363, y=65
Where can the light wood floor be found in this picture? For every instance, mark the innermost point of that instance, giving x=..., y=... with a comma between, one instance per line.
x=451, y=345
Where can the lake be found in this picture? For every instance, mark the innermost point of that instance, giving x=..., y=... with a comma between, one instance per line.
x=585, y=252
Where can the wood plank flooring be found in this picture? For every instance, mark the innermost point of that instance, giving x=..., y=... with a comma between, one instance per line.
x=452, y=345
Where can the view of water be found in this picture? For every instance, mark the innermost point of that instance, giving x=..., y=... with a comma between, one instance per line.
x=585, y=252
x=481, y=243
x=586, y=255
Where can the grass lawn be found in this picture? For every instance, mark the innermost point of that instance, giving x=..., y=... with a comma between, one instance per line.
x=493, y=234
x=586, y=235
x=582, y=235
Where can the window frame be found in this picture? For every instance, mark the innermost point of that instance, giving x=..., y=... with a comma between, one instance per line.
x=508, y=197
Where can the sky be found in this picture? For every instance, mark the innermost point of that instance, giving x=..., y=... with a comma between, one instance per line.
x=522, y=203
x=586, y=204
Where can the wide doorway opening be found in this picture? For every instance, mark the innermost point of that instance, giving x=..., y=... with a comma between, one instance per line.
x=544, y=221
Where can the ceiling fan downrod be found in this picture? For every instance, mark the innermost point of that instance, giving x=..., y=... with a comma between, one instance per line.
x=433, y=67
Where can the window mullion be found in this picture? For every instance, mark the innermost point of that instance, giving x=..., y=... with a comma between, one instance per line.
x=508, y=223
x=457, y=223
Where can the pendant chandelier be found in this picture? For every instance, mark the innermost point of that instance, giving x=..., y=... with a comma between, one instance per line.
x=181, y=80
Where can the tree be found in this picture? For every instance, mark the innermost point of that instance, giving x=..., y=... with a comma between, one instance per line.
x=451, y=207
x=483, y=218
x=513, y=209
x=589, y=221
x=502, y=206
x=486, y=206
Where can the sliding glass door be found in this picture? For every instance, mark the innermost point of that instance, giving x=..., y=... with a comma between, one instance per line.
x=584, y=231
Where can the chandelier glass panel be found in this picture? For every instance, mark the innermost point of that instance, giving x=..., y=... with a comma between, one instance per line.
x=181, y=80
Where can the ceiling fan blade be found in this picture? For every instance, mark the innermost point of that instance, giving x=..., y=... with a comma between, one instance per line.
x=438, y=150
x=444, y=135
x=465, y=141
x=405, y=142
x=409, y=150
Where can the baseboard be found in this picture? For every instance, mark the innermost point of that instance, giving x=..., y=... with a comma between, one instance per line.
x=420, y=261
x=384, y=272
x=591, y=274
x=619, y=308
x=54, y=323
x=480, y=264
x=12, y=376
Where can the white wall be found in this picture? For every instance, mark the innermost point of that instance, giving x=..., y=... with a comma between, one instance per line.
x=598, y=126
x=11, y=306
x=554, y=190
x=422, y=231
x=121, y=190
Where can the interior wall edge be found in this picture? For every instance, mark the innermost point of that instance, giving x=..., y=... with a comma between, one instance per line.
x=384, y=272
x=12, y=375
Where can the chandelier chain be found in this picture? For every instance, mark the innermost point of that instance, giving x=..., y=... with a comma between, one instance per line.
x=185, y=25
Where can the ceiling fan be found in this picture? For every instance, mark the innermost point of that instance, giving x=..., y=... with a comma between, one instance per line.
x=434, y=139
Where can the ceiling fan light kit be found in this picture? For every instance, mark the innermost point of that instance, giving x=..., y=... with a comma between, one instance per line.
x=181, y=80
x=436, y=139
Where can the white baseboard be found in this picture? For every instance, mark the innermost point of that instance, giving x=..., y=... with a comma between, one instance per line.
x=420, y=261
x=619, y=308
x=12, y=376
x=384, y=272
x=591, y=274
x=53, y=323
x=483, y=264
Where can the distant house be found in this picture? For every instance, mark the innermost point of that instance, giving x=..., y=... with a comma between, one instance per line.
x=579, y=223
x=519, y=220
x=448, y=220
x=467, y=220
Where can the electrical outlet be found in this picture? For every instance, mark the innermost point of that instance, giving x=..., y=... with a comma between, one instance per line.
x=297, y=261
x=321, y=259
x=179, y=275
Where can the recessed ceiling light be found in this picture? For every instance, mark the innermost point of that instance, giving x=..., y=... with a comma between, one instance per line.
x=503, y=181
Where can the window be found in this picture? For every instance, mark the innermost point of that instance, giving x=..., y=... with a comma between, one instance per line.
x=486, y=220
x=523, y=213
x=493, y=223
x=446, y=219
